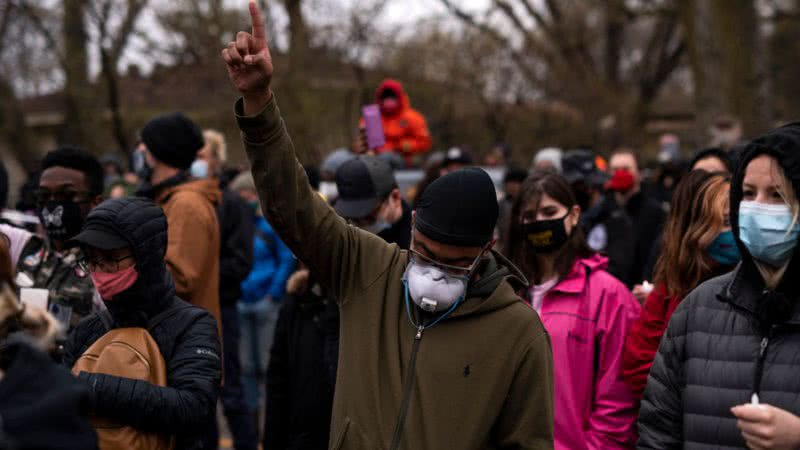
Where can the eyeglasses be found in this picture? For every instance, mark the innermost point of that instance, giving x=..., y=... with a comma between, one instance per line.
x=105, y=265
x=43, y=196
x=447, y=268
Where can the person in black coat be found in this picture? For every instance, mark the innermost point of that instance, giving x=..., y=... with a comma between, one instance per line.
x=725, y=372
x=302, y=369
x=633, y=223
x=126, y=239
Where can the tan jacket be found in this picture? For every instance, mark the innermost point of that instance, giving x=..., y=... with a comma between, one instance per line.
x=193, y=248
x=482, y=379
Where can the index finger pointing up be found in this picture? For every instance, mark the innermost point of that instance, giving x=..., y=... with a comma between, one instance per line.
x=258, y=22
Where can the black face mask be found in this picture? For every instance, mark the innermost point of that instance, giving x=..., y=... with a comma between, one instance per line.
x=61, y=220
x=546, y=236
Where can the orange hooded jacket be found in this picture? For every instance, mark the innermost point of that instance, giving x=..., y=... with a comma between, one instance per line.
x=406, y=130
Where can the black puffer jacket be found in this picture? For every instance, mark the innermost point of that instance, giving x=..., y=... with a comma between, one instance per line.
x=729, y=338
x=42, y=406
x=187, y=337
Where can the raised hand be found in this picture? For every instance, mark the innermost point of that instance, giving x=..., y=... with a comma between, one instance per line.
x=250, y=64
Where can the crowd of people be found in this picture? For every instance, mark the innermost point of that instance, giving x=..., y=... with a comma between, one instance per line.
x=581, y=303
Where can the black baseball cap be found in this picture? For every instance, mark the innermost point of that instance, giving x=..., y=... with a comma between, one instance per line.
x=99, y=234
x=363, y=183
x=457, y=156
x=580, y=166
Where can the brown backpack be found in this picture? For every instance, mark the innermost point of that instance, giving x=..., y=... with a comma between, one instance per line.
x=130, y=353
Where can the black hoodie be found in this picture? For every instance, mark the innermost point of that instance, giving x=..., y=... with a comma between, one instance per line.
x=187, y=336
x=784, y=145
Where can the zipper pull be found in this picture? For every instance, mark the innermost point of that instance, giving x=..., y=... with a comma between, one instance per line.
x=764, y=343
x=420, y=329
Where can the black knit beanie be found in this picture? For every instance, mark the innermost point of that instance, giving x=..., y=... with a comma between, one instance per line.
x=173, y=139
x=459, y=209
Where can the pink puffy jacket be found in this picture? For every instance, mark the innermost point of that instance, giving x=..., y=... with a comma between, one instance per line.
x=588, y=315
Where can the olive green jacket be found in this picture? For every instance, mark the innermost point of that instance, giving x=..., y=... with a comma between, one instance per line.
x=481, y=379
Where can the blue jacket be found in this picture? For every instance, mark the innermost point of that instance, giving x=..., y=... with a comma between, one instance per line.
x=273, y=263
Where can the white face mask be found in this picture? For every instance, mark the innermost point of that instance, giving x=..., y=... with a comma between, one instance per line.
x=432, y=289
x=199, y=169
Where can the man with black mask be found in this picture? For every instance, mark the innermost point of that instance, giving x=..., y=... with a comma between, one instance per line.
x=70, y=185
x=436, y=349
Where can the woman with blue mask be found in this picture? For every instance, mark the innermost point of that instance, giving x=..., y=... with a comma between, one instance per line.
x=725, y=372
x=697, y=245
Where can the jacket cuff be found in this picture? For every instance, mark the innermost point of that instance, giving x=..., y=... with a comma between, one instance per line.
x=258, y=127
x=89, y=381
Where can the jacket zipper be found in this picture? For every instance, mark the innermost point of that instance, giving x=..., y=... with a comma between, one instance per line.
x=762, y=353
x=409, y=385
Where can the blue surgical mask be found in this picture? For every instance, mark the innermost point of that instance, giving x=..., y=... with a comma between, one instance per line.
x=724, y=250
x=199, y=169
x=767, y=232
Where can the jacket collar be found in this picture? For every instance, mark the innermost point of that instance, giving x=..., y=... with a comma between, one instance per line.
x=575, y=282
x=747, y=292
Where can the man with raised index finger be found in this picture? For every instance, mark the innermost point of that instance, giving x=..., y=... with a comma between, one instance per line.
x=436, y=350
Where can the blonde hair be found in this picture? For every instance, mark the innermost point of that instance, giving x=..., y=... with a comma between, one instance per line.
x=773, y=275
x=216, y=144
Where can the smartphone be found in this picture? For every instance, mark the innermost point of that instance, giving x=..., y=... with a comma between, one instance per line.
x=374, y=126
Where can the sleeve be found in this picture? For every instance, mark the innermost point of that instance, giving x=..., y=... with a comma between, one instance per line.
x=284, y=267
x=642, y=342
x=613, y=416
x=418, y=138
x=660, y=416
x=194, y=375
x=276, y=418
x=526, y=421
x=344, y=258
x=17, y=239
x=236, y=258
x=187, y=248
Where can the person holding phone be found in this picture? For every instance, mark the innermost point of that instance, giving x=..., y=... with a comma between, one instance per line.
x=436, y=348
x=405, y=131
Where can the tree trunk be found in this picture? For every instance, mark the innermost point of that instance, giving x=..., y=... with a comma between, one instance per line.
x=78, y=95
x=109, y=72
x=298, y=37
x=728, y=63
x=14, y=131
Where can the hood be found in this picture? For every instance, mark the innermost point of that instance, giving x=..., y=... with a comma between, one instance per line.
x=784, y=145
x=396, y=87
x=144, y=225
x=208, y=188
x=489, y=293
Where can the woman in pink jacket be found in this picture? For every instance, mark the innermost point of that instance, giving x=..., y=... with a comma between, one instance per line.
x=586, y=311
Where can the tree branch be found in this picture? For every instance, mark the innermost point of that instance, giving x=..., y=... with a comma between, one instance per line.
x=39, y=25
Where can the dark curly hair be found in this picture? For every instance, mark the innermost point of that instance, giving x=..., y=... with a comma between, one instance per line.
x=80, y=160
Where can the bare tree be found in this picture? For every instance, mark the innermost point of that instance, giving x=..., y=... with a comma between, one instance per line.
x=602, y=58
x=112, y=44
x=728, y=61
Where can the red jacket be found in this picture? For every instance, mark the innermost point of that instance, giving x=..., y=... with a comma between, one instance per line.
x=645, y=336
x=406, y=131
